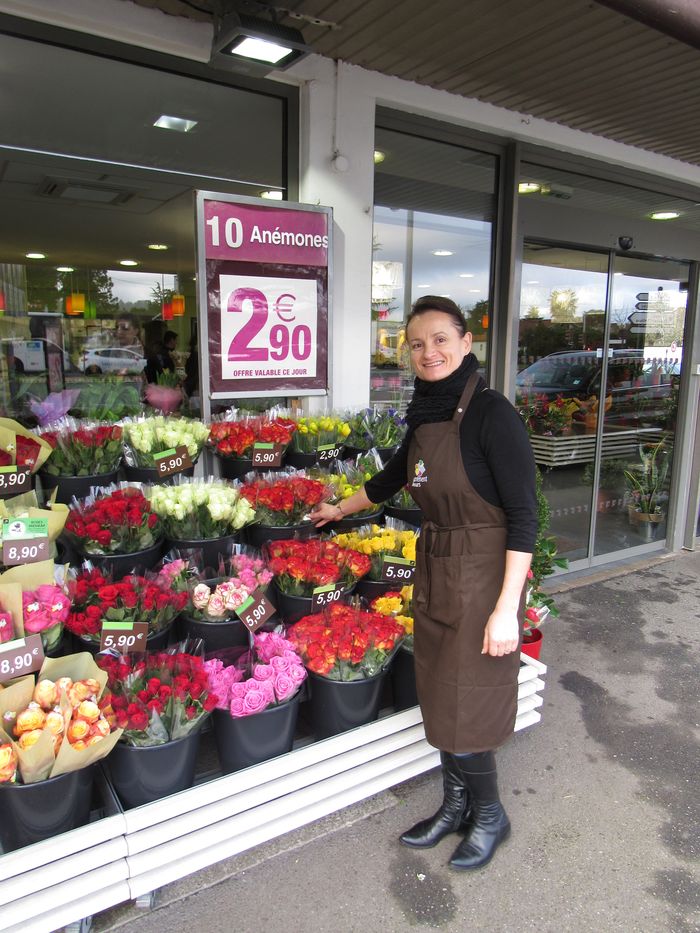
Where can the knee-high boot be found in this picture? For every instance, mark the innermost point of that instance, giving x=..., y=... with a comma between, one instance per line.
x=453, y=814
x=489, y=824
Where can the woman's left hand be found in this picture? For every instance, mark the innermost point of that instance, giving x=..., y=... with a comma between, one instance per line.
x=502, y=633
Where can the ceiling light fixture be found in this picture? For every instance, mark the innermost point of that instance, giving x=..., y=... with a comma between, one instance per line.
x=255, y=46
x=664, y=215
x=379, y=156
x=424, y=285
x=533, y=282
x=272, y=195
x=179, y=124
x=128, y=262
x=528, y=187
x=65, y=269
x=35, y=255
x=443, y=252
x=157, y=246
x=466, y=275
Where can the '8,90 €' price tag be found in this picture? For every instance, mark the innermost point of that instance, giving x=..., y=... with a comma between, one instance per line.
x=398, y=569
x=266, y=456
x=255, y=611
x=24, y=540
x=125, y=637
x=21, y=656
x=328, y=452
x=325, y=595
x=14, y=480
x=172, y=461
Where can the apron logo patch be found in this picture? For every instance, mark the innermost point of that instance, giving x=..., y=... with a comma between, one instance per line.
x=421, y=475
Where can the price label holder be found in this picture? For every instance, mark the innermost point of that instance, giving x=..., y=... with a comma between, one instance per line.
x=328, y=452
x=267, y=456
x=125, y=637
x=24, y=540
x=173, y=461
x=398, y=569
x=21, y=656
x=325, y=595
x=14, y=480
x=255, y=611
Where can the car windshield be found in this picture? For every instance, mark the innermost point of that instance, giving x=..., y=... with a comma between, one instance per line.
x=559, y=372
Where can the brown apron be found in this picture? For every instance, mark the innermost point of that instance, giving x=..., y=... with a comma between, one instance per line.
x=468, y=699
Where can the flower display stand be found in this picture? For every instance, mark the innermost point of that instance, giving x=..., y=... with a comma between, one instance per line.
x=127, y=856
x=580, y=448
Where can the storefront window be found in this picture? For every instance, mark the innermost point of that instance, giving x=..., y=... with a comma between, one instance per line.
x=433, y=235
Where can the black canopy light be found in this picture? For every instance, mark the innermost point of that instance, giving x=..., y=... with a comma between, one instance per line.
x=255, y=46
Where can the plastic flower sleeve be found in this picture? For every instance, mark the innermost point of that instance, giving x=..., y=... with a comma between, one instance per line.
x=145, y=437
x=201, y=509
x=82, y=448
x=118, y=519
x=284, y=498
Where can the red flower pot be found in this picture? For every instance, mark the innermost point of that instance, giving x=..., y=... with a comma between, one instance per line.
x=532, y=643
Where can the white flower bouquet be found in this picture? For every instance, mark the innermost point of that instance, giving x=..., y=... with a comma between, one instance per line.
x=145, y=438
x=197, y=510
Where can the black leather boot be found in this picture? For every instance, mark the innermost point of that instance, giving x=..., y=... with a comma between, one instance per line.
x=453, y=814
x=489, y=824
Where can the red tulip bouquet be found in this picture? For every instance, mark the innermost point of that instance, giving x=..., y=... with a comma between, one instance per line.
x=345, y=642
x=301, y=566
x=283, y=499
x=156, y=598
x=82, y=448
x=156, y=698
x=119, y=520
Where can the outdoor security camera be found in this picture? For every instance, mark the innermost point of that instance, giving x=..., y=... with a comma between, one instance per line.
x=626, y=242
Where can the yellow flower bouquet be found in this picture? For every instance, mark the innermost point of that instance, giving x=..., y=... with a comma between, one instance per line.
x=398, y=605
x=379, y=542
x=314, y=432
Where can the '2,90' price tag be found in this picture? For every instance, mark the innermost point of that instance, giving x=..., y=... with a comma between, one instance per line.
x=172, y=461
x=255, y=611
x=24, y=541
x=14, y=480
x=266, y=456
x=125, y=637
x=398, y=569
x=325, y=595
x=328, y=452
x=21, y=656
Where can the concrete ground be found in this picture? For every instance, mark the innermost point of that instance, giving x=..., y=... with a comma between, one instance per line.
x=602, y=794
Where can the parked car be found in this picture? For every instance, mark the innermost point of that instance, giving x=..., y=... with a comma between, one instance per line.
x=112, y=360
x=30, y=356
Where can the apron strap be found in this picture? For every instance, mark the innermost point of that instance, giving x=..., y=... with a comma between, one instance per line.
x=466, y=397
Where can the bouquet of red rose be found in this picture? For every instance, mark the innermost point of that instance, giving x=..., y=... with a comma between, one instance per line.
x=301, y=566
x=82, y=448
x=119, y=520
x=345, y=642
x=282, y=499
x=236, y=437
x=155, y=598
x=157, y=697
x=18, y=446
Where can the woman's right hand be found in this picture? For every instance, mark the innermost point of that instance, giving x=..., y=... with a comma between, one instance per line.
x=324, y=513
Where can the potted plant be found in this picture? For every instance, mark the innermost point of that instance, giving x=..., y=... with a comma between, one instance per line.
x=647, y=484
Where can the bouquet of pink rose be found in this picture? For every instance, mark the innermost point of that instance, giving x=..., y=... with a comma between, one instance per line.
x=270, y=674
x=45, y=611
x=244, y=573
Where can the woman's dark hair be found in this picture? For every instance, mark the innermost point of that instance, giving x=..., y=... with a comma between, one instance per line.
x=438, y=303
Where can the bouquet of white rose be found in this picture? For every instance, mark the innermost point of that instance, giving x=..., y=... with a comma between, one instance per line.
x=145, y=438
x=197, y=510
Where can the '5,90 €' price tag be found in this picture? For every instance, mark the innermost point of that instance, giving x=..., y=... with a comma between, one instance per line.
x=255, y=611
x=325, y=595
x=172, y=461
x=266, y=456
x=398, y=569
x=14, y=480
x=21, y=656
x=125, y=637
x=328, y=452
x=24, y=541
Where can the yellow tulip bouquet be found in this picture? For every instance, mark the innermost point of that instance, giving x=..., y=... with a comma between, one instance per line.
x=314, y=431
x=395, y=539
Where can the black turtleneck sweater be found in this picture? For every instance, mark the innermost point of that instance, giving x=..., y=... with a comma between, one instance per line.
x=498, y=461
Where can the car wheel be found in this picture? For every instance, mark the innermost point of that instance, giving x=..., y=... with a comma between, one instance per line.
x=93, y=370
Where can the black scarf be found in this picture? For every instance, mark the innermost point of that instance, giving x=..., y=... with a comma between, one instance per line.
x=436, y=401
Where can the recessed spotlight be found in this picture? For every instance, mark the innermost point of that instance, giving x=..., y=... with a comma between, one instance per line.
x=157, y=246
x=128, y=262
x=466, y=275
x=664, y=215
x=179, y=124
x=528, y=187
x=35, y=255
x=272, y=195
x=443, y=252
x=65, y=269
x=379, y=156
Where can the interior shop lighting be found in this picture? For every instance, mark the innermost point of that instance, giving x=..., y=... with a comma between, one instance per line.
x=466, y=275
x=272, y=195
x=35, y=255
x=379, y=156
x=65, y=269
x=128, y=262
x=158, y=247
x=443, y=252
x=255, y=45
x=178, y=303
x=423, y=285
x=528, y=187
x=664, y=215
x=178, y=124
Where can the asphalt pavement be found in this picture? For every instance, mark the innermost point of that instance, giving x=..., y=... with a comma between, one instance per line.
x=602, y=795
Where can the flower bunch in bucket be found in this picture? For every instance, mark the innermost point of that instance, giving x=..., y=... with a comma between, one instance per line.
x=21, y=447
x=242, y=575
x=314, y=431
x=46, y=610
x=346, y=642
x=155, y=598
x=145, y=438
x=201, y=509
x=403, y=499
x=118, y=520
x=398, y=605
x=283, y=499
x=236, y=433
x=269, y=674
x=158, y=697
x=82, y=448
x=373, y=427
x=346, y=478
x=379, y=542
x=299, y=567
x=34, y=601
